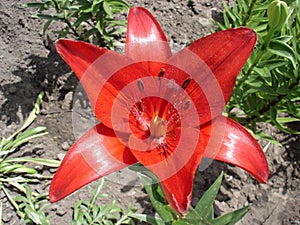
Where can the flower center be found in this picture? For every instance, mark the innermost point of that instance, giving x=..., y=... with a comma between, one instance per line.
x=158, y=127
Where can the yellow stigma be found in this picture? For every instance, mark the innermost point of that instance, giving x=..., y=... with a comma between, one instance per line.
x=158, y=127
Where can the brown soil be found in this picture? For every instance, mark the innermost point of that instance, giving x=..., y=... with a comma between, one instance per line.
x=29, y=65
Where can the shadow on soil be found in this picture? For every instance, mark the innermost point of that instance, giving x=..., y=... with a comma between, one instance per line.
x=49, y=74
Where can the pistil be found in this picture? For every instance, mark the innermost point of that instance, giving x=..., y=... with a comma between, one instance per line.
x=158, y=127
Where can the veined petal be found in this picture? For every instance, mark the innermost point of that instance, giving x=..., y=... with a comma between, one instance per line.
x=145, y=40
x=78, y=54
x=238, y=147
x=102, y=73
x=227, y=54
x=97, y=153
x=174, y=164
x=214, y=62
x=143, y=27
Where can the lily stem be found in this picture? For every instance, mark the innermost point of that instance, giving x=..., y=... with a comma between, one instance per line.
x=58, y=10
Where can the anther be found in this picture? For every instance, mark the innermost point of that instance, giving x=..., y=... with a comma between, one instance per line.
x=161, y=73
x=186, y=83
x=140, y=106
x=140, y=85
x=186, y=105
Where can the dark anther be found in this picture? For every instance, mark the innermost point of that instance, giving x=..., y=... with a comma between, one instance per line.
x=186, y=105
x=161, y=73
x=186, y=83
x=140, y=106
x=140, y=85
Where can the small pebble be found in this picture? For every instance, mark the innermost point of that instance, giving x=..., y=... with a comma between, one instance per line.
x=7, y=217
x=251, y=198
x=61, y=212
x=44, y=112
x=65, y=146
x=60, y=156
x=52, y=170
x=208, y=4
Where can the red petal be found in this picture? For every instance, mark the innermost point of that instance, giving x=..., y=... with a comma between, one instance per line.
x=237, y=147
x=174, y=164
x=145, y=40
x=214, y=62
x=79, y=55
x=94, y=66
x=97, y=153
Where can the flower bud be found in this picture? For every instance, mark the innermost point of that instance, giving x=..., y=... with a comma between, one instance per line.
x=277, y=14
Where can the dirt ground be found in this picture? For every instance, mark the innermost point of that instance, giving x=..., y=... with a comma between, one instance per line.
x=29, y=65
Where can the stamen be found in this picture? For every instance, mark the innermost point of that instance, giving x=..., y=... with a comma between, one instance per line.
x=161, y=73
x=186, y=83
x=140, y=106
x=140, y=85
x=186, y=105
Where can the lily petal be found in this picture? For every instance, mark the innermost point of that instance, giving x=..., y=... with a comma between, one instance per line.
x=238, y=147
x=98, y=70
x=174, y=164
x=145, y=40
x=214, y=62
x=97, y=153
x=79, y=55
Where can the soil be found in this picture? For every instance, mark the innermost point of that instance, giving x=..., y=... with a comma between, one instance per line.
x=29, y=65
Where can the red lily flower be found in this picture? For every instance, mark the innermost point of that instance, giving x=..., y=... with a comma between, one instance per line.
x=159, y=109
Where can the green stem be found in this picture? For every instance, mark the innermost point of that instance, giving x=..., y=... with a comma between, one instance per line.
x=58, y=10
x=71, y=27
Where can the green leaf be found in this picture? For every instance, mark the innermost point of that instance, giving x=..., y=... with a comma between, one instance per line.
x=157, y=198
x=272, y=64
x=40, y=161
x=89, y=33
x=148, y=218
x=107, y=9
x=193, y=217
x=229, y=12
x=287, y=119
x=205, y=205
x=181, y=222
x=45, y=16
x=261, y=134
x=232, y=217
x=33, y=215
x=18, y=168
x=46, y=25
x=82, y=18
x=33, y=5
x=285, y=38
x=32, y=116
x=19, y=141
x=282, y=49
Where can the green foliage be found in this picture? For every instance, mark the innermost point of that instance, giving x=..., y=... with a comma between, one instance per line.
x=15, y=172
x=90, y=20
x=202, y=214
x=267, y=89
x=89, y=212
x=31, y=207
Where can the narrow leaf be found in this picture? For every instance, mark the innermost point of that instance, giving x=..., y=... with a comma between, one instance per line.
x=232, y=217
x=148, y=218
x=282, y=49
x=205, y=205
